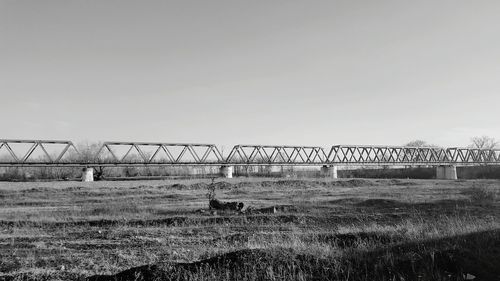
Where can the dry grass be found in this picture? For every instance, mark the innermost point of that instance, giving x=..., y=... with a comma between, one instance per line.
x=324, y=229
x=483, y=195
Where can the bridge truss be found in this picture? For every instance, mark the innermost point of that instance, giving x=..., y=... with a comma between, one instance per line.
x=37, y=152
x=400, y=155
x=161, y=153
x=65, y=153
x=277, y=155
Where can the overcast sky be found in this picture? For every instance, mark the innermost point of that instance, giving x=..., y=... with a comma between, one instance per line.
x=250, y=72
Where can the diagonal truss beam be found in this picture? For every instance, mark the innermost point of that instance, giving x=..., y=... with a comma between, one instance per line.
x=147, y=153
x=27, y=157
x=189, y=153
x=274, y=154
x=385, y=155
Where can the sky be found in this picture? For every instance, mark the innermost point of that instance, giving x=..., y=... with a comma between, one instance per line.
x=250, y=72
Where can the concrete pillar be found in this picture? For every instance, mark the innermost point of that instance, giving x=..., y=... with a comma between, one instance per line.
x=451, y=172
x=226, y=172
x=274, y=170
x=329, y=171
x=440, y=172
x=88, y=174
x=448, y=172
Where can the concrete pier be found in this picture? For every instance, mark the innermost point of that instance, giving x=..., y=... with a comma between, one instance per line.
x=275, y=171
x=226, y=172
x=329, y=172
x=88, y=174
x=448, y=172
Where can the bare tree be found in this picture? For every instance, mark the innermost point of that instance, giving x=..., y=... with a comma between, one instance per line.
x=418, y=143
x=484, y=142
x=88, y=153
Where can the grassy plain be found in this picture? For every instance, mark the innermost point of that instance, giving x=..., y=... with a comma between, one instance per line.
x=348, y=229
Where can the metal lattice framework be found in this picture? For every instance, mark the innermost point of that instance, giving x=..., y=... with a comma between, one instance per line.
x=386, y=155
x=36, y=153
x=474, y=155
x=280, y=155
x=34, y=145
x=173, y=153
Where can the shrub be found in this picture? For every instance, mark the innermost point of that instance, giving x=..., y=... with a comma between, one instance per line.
x=482, y=195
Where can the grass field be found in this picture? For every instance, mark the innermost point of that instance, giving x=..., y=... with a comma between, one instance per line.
x=322, y=230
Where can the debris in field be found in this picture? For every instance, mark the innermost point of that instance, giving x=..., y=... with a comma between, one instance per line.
x=468, y=276
x=219, y=205
x=216, y=204
x=267, y=210
x=179, y=186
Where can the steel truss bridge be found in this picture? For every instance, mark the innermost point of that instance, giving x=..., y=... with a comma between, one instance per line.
x=40, y=153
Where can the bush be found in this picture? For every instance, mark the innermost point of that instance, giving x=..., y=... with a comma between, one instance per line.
x=482, y=195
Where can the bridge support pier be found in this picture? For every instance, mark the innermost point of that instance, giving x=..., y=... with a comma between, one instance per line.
x=448, y=172
x=329, y=171
x=226, y=172
x=274, y=171
x=88, y=174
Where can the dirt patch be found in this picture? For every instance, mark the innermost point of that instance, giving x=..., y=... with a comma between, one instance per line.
x=178, y=186
x=401, y=182
x=142, y=187
x=353, y=183
x=287, y=208
x=380, y=203
x=307, y=184
x=36, y=190
x=284, y=184
x=73, y=188
x=345, y=201
x=237, y=238
x=223, y=185
x=235, y=191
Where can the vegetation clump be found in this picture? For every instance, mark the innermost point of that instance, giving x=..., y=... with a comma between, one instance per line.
x=483, y=195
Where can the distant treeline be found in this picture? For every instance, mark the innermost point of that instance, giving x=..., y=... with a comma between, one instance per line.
x=72, y=173
x=67, y=173
x=473, y=172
